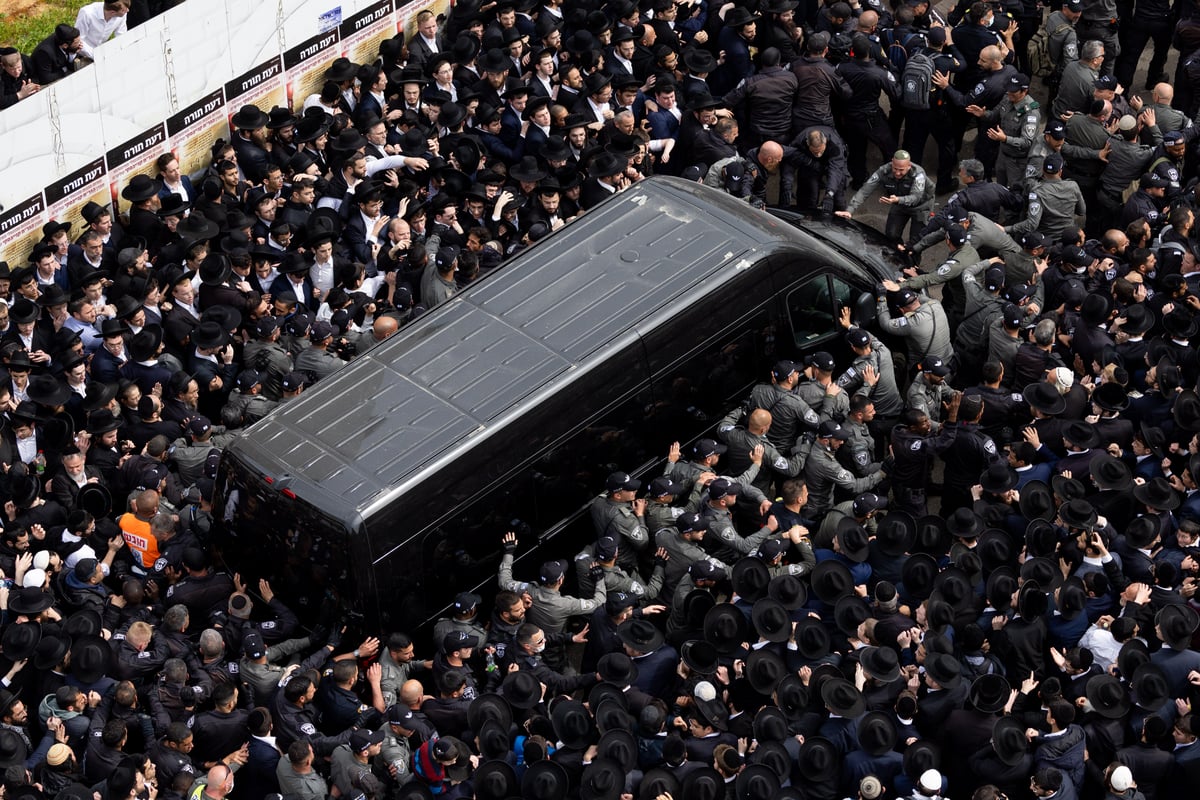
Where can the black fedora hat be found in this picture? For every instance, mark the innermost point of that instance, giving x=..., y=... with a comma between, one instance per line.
x=20, y=641
x=279, y=117
x=770, y=725
x=1132, y=655
x=489, y=706
x=544, y=780
x=712, y=712
x=611, y=713
x=494, y=780
x=1179, y=324
x=619, y=745
x=876, y=733
x=895, y=533
x=13, y=752
x=943, y=668
x=1043, y=397
x=656, y=782
x=920, y=756
x=792, y=696
x=932, y=536
x=764, y=670
x=572, y=724
x=1176, y=624
x=998, y=479
x=311, y=128
x=842, y=698
x=607, y=692
x=1157, y=494
x=604, y=165
x=1107, y=696
x=1072, y=598
x=880, y=663
x=989, y=693
x=1067, y=489
x=50, y=652
x=725, y=628
x=704, y=783
x=341, y=70
x=819, y=759
x=788, y=590
x=1037, y=501
x=617, y=668
x=528, y=170
x=28, y=600
x=196, y=228
x=53, y=295
x=738, y=16
x=1154, y=439
x=995, y=549
x=640, y=635
x=24, y=311
x=852, y=540
x=602, y=779
x=140, y=188
x=830, y=580
x=249, y=118
x=96, y=499
x=1110, y=397
x=91, y=659
x=1032, y=601
x=1082, y=435
x=812, y=639
x=174, y=205
x=145, y=343
x=750, y=577
x=521, y=689
x=964, y=524
x=698, y=61
x=1150, y=688
x=209, y=335
x=47, y=391
x=918, y=574
x=700, y=656
x=756, y=782
x=775, y=756
x=215, y=270
x=1111, y=474
x=1078, y=514
x=1008, y=740
x=771, y=620
x=84, y=622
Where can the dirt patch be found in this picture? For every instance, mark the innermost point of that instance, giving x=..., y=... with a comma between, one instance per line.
x=18, y=7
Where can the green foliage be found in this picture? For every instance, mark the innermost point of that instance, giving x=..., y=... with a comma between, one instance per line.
x=25, y=30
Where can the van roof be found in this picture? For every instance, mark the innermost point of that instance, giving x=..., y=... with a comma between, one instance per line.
x=402, y=405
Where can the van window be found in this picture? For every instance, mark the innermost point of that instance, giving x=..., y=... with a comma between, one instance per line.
x=813, y=307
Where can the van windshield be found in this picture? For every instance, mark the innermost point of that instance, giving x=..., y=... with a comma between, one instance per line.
x=266, y=534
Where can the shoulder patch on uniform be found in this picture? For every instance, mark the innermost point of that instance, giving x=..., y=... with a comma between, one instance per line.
x=269, y=625
x=903, y=321
x=860, y=458
x=915, y=445
x=844, y=475
x=308, y=729
x=160, y=564
x=1035, y=207
x=944, y=269
x=990, y=446
x=781, y=463
x=979, y=87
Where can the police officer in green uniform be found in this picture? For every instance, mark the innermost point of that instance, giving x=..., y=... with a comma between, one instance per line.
x=823, y=472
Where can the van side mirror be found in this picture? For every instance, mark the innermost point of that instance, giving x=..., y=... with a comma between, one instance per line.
x=864, y=310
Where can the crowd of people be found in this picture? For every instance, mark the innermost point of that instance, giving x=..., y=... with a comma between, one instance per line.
x=776, y=613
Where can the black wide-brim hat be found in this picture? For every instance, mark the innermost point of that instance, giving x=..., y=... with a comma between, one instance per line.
x=880, y=663
x=543, y=780
x=1008, y=740
x=725, y=628
x=750, y=577
x=831, y=580
x=572, y=724
x=1043, y=397
x=989, y=693
x=91, y=658
x=1037, y=501
x=521, y=689
x=764, y=670
x=771, y=620
x=20, y=640
x=1111, y=474
x=489, y=706
x=918, y=574
x=895, y=533
x=1158, y=494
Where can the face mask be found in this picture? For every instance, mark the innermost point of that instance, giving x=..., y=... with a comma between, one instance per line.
x=539, y=648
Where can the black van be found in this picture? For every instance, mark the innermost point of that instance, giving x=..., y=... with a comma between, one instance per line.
x=391, y=483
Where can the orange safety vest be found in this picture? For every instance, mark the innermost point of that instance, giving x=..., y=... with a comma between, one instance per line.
x=140, y=540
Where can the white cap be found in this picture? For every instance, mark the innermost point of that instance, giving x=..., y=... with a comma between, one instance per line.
x=705, y=691
x=41, y=559
x=34, y=578
x=1121, y=779
x=931, y=780
x=83, y=552
x=1063, y=379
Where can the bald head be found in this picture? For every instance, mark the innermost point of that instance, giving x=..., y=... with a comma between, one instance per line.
x=384, y=327
x=770, y=154
x=867, y=21
x=1163, y=93
x=760, y=421
x=411, y=693
x=991, y=54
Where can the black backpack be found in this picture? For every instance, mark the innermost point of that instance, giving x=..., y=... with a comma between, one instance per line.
x=916, y=82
